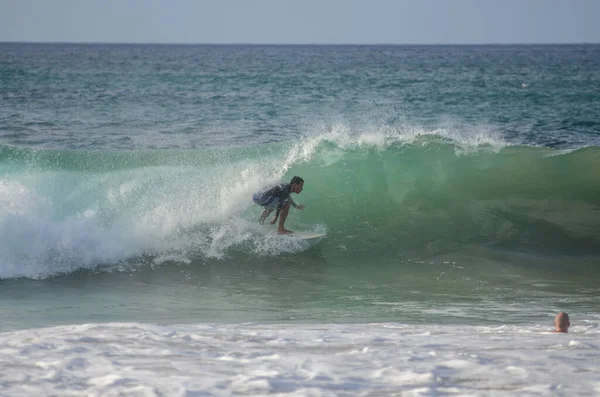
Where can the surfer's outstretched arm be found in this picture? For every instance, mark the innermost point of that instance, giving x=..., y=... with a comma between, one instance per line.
x=295, y=205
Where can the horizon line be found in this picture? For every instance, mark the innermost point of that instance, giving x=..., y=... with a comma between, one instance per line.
x=300, y=44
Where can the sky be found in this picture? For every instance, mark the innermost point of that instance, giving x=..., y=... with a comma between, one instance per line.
x=301, y=21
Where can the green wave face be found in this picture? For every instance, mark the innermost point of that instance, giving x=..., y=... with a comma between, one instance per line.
x=383, y=202
x=429, y=198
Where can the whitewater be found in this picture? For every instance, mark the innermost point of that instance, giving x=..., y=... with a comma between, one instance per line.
x=311, y=360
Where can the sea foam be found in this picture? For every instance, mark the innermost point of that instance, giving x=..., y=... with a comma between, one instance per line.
x=315, y=360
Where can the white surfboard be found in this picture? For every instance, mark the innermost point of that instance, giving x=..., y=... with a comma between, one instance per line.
x=307, y=236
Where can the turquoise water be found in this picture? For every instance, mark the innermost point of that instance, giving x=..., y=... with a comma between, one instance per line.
x=457, y=184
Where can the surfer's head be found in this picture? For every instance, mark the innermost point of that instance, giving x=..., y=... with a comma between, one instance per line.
x=562, y=323
x=297, y=184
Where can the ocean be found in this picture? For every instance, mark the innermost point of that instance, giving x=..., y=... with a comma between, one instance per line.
x=459, y=188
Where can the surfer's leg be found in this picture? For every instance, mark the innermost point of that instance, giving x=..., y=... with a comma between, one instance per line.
x=264, y=215
x=282, y=216
x=269, y=204
x=276, y=216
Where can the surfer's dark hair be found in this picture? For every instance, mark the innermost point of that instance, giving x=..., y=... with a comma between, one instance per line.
x=296, y=180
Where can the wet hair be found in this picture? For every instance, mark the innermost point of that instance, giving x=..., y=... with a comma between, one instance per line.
x=296, y=180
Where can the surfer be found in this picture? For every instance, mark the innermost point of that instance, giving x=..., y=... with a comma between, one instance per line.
x=278, y=197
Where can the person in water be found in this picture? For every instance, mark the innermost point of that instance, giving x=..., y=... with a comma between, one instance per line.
x=278, y=197
x=562, y=323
